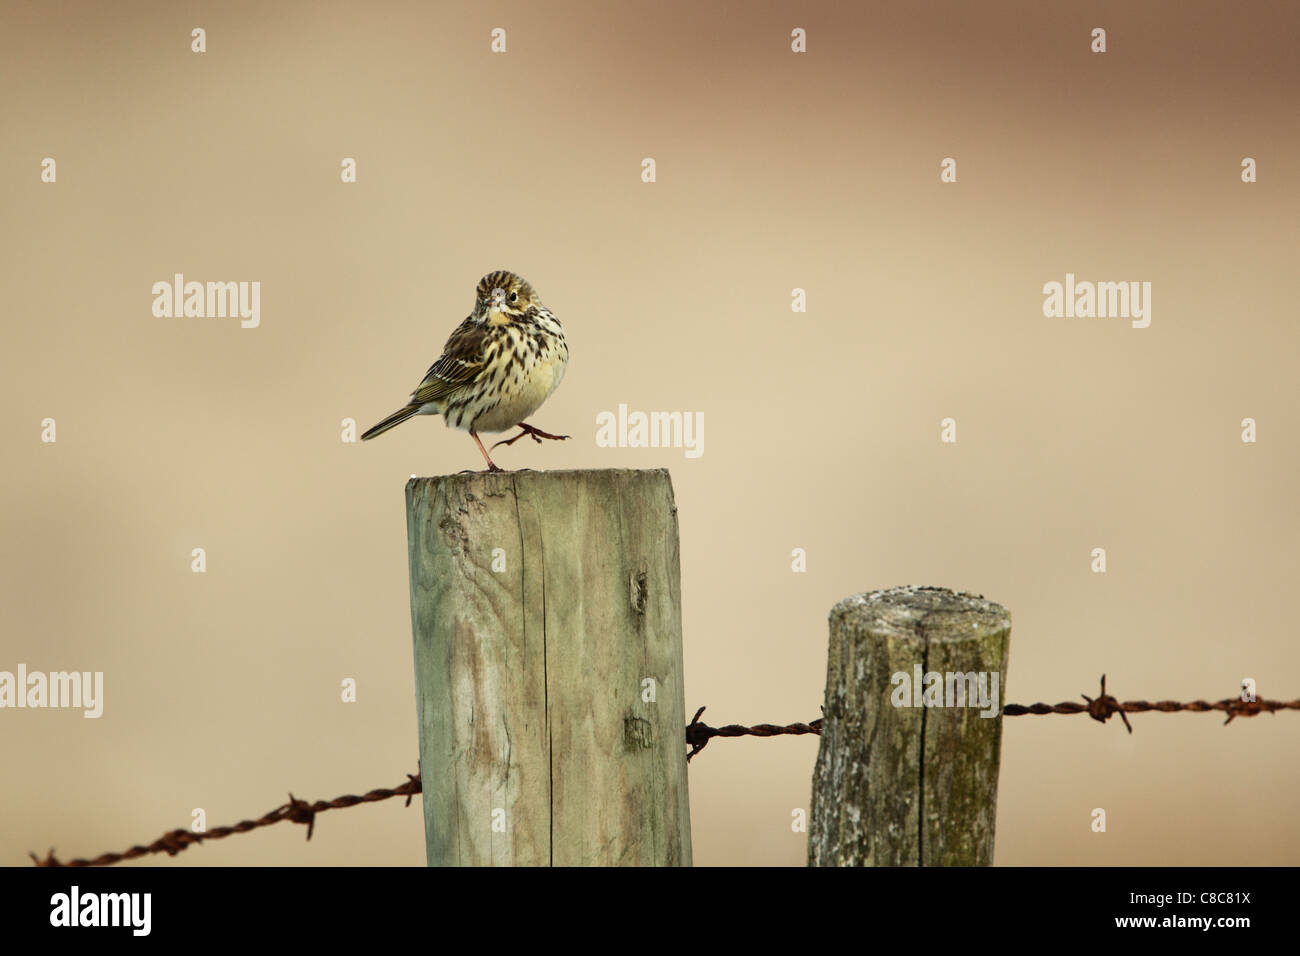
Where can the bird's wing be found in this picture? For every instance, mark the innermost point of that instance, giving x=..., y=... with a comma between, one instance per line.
x=459, y=364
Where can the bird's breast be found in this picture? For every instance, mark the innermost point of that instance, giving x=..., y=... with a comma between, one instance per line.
x=528, y=371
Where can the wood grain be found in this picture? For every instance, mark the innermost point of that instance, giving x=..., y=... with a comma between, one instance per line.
x=530, y=679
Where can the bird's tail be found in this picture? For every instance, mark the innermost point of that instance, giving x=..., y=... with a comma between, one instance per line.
x=392, y=421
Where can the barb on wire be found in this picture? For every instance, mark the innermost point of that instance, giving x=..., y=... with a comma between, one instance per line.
x=698, y=735
x=1105, y=706
x=296, y=811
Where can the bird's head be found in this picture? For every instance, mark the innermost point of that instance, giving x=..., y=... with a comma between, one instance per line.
x=502, y=296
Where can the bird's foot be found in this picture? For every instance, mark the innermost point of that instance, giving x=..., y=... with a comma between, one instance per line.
x=536, y=434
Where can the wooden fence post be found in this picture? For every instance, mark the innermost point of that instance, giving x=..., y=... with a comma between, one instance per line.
x=546, y=611
x=910, y=785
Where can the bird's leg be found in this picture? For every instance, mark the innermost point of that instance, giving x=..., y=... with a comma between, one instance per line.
x=535, y=433
x=492, y=465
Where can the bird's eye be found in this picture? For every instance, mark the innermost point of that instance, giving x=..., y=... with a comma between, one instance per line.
x=513, y=296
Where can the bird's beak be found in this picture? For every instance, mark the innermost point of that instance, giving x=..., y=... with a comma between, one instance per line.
x=497, y=301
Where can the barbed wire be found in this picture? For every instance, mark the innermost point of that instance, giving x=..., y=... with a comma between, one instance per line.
x=1103, y=707
x=295, y=811
x=1100, y=708
x=698, y=734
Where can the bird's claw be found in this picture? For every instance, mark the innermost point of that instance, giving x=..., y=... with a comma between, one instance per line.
x=536, y=434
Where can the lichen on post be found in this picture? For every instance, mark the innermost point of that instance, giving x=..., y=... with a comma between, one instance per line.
x=907, y=768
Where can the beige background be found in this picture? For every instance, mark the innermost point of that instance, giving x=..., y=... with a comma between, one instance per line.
x=776, y=171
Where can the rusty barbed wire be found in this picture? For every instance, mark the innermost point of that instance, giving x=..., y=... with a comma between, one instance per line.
x=1103, y=707
x=295, y=811
x=1100, y=708
x=698, y=734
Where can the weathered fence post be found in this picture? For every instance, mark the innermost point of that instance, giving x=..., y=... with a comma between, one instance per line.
x=907, y=770
x=546, y=613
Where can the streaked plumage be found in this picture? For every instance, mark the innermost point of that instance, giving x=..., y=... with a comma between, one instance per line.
x=496, y=369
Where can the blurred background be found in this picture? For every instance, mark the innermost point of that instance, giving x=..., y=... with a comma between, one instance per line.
x=775, y=171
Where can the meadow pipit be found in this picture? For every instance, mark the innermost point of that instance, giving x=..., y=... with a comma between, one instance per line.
x=497, y=368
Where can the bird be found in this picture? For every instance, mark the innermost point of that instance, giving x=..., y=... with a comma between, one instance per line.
x=497, y=368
